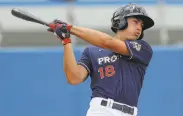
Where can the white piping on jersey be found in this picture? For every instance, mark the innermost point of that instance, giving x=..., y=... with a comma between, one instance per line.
x=130, y=51
x=85, y=66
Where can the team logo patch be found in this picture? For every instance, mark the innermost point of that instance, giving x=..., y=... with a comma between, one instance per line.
x=136, y=45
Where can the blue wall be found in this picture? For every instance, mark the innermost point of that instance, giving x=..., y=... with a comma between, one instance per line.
x=32, y=83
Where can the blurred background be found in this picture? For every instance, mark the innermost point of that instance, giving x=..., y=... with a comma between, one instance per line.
x=32, y=82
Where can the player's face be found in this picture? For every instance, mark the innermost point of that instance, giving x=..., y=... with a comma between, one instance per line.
x=134, y=28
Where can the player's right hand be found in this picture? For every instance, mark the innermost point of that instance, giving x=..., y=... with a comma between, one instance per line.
x=56, y=21
x=61, y=29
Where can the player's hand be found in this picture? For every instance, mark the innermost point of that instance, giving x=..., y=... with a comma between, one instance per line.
x=52, y=24
x=56, y=21
x=62, y=30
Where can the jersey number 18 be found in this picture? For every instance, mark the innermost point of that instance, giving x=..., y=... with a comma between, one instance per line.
x=107, y=71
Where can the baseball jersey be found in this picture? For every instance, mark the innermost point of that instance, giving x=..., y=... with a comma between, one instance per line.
x=117, y=76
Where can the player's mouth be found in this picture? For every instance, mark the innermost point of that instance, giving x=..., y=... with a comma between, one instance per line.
x=137, y=34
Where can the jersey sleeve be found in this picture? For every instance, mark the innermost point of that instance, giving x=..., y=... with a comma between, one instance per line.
x=139, y=50
x=85, y=60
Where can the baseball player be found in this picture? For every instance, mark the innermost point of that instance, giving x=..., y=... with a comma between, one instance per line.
x=116, y=65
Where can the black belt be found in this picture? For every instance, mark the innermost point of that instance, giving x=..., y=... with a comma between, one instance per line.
x=123, y=108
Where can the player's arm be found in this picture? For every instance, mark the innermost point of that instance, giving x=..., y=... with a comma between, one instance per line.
x=75, y=73
x=100, y=39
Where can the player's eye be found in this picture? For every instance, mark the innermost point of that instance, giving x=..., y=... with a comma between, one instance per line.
x=141, y=22
x=138, y=22
x=135, y=21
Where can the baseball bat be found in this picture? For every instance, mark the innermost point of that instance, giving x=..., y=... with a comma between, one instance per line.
x=27, y=16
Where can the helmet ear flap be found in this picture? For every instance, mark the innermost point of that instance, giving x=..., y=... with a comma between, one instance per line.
x=123, y=24
x=119, y=24
x=115, y=25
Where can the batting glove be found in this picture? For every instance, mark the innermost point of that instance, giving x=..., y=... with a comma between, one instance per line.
x=61, y=30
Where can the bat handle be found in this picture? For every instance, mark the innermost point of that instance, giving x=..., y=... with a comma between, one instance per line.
x=46, y=24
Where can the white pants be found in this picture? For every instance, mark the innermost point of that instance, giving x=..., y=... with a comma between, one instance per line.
x=96, y=109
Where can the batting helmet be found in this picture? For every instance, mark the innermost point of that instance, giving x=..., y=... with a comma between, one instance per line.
x=119, y=19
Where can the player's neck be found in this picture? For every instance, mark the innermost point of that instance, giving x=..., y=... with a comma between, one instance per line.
x=120, y=37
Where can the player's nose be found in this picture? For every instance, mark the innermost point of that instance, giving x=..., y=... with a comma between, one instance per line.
x=138, y=30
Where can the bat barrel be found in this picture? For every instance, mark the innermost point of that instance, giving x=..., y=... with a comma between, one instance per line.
x=27, y=16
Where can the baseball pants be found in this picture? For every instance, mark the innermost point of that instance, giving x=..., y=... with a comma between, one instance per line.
x=96, y=109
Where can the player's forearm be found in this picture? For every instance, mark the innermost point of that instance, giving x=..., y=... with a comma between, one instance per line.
x=92, y=36
x=70, y=65
x=101, y=39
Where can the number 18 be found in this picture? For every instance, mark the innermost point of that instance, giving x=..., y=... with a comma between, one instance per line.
x=107, y=71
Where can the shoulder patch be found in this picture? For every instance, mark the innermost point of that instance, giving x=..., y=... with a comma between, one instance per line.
x=136, y=45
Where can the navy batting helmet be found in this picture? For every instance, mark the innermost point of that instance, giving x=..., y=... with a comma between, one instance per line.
x=119, y=19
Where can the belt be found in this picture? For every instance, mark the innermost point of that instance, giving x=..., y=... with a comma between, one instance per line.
x=120, y=107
